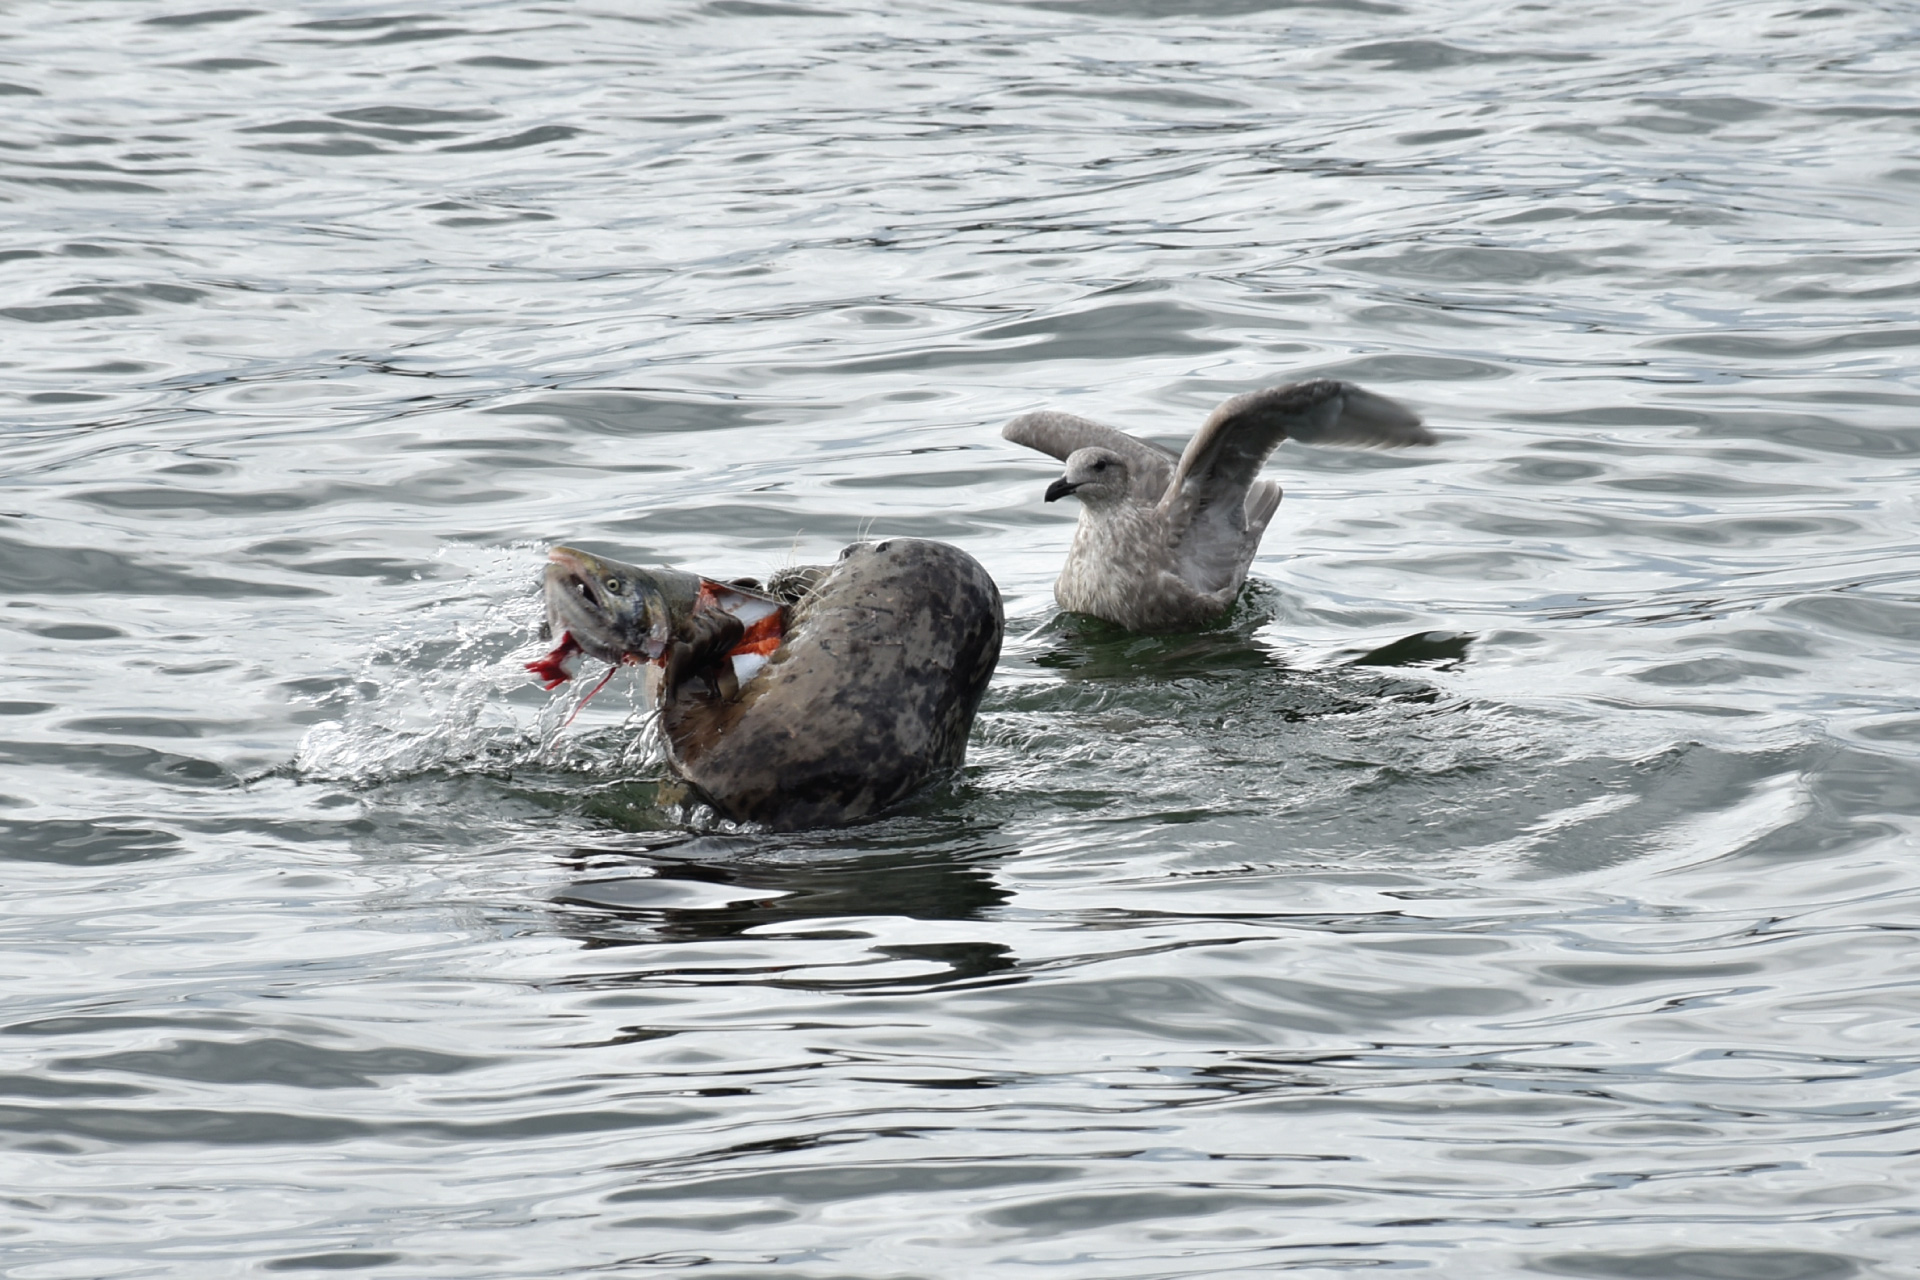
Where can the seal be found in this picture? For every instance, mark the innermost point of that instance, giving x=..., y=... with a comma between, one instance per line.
x=826, y=697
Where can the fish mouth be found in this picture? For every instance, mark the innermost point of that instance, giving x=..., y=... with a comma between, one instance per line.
x=1059, y=489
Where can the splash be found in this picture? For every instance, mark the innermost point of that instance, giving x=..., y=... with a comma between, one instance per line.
x=447, y=691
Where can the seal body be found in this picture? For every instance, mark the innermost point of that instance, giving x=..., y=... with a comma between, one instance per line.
x=869, y=696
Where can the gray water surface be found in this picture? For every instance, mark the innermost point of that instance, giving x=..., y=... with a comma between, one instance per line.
x=1521, y=883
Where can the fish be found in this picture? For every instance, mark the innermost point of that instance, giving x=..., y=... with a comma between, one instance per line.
x=685, y=625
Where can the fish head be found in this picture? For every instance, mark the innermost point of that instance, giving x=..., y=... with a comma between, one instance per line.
x=615, y=612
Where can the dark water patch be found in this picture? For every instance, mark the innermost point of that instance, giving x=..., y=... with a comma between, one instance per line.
x=1399, y=367
x=764, y=9
x=1763, y=346
x=1475, y=265
x=765, y=527
x=385, y=569
x=685, y=900
x=615, y=413
x=535, y=137
x=79, y=186
x=1859, y=614
x=706, y=1222
x=1671, y=215
x=145, y=726
x=331, y=147
x=345, y=1260
x=1436, y=649
x=347, y=132
x=1726, y=109
x=1208, y=8
x=1588, y=523
x=75, y=631
x=76, y=843
x=369, y=23
x=397, y=30
x=1548, y=471
x=1435, y=137
x=1697, y=485
x=853, y=1182
x=118, y=759
x=103, y=1024
x=243, y=1128
x=1440, y=55
x=1178, y=100
x=43, y=1086
x=1725, y=1263
x=225, y=64
x=1628, y=975
x=1112, y=331
x=1891, y=731
x=268, y=1060
x=402, y=116
x=1862, y=784
x=1615, y=416
x=29, y=569
x=948, y=478
x=445, y=489
x=502, y=62
x=59, y=312
x=1696, y=672
x=1051, y=1215
x=201, y=17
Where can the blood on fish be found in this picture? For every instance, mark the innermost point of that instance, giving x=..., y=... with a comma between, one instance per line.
x=551, y=670
x=589, y=698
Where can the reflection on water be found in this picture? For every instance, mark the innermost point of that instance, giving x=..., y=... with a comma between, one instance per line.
x=714, y=889
x=1517, y=883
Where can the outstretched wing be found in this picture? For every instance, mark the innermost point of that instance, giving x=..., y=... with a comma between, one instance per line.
x=1222, y=460
x=1059, y=434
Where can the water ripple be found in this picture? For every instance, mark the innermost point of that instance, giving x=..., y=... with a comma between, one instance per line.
x=1520, y=874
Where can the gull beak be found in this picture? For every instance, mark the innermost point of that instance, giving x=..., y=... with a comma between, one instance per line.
x=1059, y=489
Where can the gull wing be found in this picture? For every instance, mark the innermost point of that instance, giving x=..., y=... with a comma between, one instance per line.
x=1221, y=462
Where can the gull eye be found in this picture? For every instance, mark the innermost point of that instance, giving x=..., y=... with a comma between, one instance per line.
x=1100, y=465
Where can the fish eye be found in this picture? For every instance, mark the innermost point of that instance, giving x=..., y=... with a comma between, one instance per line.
x=616, y=586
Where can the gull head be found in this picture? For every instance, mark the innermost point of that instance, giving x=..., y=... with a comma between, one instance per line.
x=1096, y=476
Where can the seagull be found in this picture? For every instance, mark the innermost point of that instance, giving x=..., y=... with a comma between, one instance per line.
x=1164, y=540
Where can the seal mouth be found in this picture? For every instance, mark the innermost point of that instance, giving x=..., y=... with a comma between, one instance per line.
x=1059, y=489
